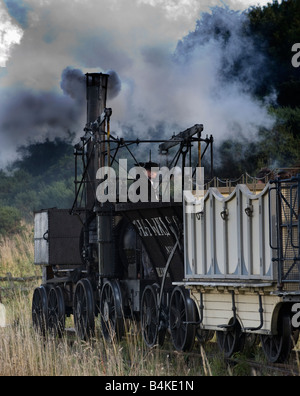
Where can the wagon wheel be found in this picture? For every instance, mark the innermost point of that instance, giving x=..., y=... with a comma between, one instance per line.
x=150, y=317
x=111, y=311
x=84, y=309
x=204, y=336
x=182, y=311
x=56, y=311
x=39, y=310
x=277, y=348
x=232, y=340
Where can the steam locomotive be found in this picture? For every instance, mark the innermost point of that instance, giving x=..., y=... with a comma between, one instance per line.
x=214, y=261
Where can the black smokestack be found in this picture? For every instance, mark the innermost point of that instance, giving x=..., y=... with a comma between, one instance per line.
x=96, y=95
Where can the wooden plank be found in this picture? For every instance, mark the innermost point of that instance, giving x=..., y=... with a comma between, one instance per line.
x=218, y=308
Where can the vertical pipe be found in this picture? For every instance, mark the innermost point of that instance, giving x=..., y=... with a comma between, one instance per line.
x=96, y=94
x=199, y=149
x=76, y=173
x=297, y=208
x=96, y=104
x=211, y=157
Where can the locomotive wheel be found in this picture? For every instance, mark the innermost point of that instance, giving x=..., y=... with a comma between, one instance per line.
x=182, y=311
x=56, y=311
x=277, y=348
x=84, y=310
x=150, y=317
x=232, y=340
x=111, y=311
x=40, y=310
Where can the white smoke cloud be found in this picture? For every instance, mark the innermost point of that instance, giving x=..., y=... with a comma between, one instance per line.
x=199, y=84
x=175, y=9
x=137, y=39
x=10, y=35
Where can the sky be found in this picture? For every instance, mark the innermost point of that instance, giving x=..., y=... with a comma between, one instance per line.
x=45, y=42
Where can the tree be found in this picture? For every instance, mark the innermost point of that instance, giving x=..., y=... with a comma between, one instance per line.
x=277, y=28
x=281, y=143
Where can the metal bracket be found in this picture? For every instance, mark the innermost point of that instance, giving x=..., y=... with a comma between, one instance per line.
x=199, y=215
x=261, y=316
x=224, y=214
x=232, y=325
x=46, y=236
x=249, y=211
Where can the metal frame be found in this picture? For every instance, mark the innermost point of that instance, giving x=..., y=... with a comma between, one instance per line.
x=201, y=261
x=184, y=140
x=287, y=249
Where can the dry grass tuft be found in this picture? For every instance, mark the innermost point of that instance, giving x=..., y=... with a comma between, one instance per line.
x=25, y=353
x=17, y=253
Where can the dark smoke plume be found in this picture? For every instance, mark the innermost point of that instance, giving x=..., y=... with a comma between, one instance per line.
x=114, y=84
x=73, y=84
x=28, y=116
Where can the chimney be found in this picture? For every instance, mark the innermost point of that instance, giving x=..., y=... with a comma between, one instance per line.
x=96, y=94
x=96, y=88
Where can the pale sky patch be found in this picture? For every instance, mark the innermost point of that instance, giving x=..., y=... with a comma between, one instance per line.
x=10, y=35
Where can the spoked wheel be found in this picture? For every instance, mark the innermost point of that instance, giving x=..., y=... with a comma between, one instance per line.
x=204, y=336
x=84, y=310
x=150, y=317
x=56, y=311
x=40, y=310
x=277, y=348
x=111, y=311
x=232, y=340
x=182, y=311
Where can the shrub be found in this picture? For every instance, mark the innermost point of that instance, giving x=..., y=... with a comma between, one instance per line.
x=10, y=220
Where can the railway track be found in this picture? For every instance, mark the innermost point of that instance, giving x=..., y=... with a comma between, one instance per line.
x=237, y=365
x=210, y=361
x=258, y=368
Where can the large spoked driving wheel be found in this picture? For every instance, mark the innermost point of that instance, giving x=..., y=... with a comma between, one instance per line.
x=277, y=348
x=111, y=311
x=40, y=310
x=150, y=317
x=232, y=340
x=84, y=310
x=182, y=314
x=56, y=311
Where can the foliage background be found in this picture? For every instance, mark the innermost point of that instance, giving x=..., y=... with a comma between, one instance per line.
x=43, y=177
